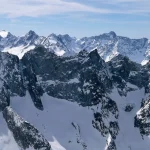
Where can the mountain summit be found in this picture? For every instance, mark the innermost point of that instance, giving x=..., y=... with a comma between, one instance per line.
x=109, y=45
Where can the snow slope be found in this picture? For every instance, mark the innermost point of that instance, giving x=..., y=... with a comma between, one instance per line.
x=55, y=123
x=129, y=137
x=19, y=51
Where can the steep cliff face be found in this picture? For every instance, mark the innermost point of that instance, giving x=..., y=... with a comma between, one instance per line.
x=25, y=134
x=11, y=79
x=12, y=83
x=84, y=79
x=94, y=103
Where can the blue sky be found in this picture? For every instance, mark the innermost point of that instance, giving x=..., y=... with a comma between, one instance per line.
x=76, y=17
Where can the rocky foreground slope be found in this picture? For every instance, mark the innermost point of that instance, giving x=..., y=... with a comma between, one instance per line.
x=78, y=102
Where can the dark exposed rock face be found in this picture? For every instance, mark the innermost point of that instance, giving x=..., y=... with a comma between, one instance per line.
x=99, y=124
x=83, y=78
x=78, y=136
x=129, y=107
x=142, y=117
x=32, y=86
x=11, y=79
x=111, y=145
x=109, y=108
x=125, y=71
x=25, y=134
x=113, y=129
x=4, y=97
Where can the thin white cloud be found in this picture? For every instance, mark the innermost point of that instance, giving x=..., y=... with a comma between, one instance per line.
x=141, y=7
x=121, y=1
x=35, y=8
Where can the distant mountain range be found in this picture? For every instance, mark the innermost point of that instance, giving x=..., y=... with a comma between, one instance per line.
x=108, y=45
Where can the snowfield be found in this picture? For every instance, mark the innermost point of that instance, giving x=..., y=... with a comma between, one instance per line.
x=55, y=123
x=129, y=137
x=59, y=117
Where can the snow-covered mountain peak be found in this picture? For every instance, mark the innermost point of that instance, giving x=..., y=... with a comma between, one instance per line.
x=109, y=45
x=52, y=35
x=113, y=33
x=31, y=35
x=110, y=35
x=3, y=33
x=66, y=36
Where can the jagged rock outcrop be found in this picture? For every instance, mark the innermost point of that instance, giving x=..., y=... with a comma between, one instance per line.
x=85, y=79
x=78, y=136
x=25, y=134
x=110, y=144
x=11, y=79
x=125, y=71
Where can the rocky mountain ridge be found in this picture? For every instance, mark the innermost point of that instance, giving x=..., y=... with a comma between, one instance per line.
x=109, y=45
x=111, y=92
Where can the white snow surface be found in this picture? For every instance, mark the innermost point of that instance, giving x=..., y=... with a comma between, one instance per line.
x=3, y=33
x=55, y=123
x=56, y=145
x=59, y=52
x=129, y=137
x=19, y=51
